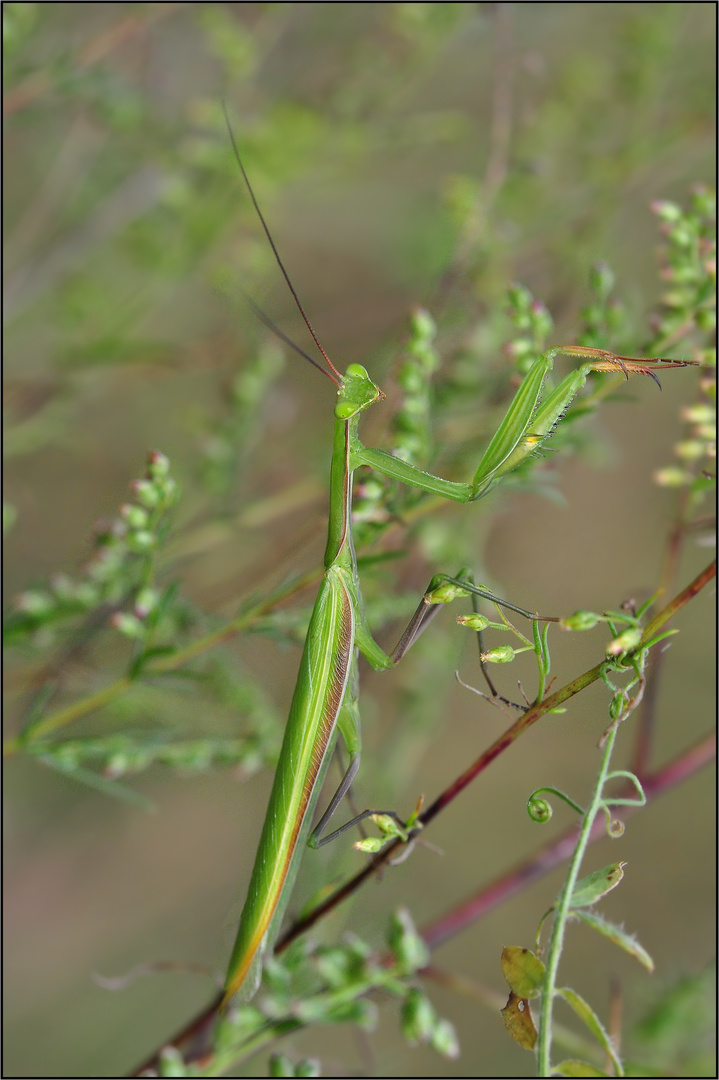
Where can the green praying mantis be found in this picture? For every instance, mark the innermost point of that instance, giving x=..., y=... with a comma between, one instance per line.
x=325, y=699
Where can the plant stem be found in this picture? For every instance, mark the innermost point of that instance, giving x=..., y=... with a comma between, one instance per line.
x=556, y=942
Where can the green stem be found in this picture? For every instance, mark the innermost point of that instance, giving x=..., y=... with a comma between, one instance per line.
x=544, y=1043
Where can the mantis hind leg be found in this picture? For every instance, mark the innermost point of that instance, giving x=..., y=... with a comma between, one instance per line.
x=442, y=589
x=348, y=722
x=317, y=840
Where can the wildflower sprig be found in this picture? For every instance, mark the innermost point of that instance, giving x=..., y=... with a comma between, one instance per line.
x=119, y=579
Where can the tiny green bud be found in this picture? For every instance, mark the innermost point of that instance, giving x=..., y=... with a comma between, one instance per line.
x=519, y=297
x=699, y=414
x=704, y=201
x=370, y=845
x=521, y=348
x=135, y=516
x=667, y=211
x=63, y=587
x=542, y=321
x=406, y=943
x=444, y=1039
x=418, y=1017
x=145, y=602
x=168, y=489
x=87, y=594
x=690, y=450
x=671, y=476
x=422, y=323
x=128, y=625
x=309, y=1066
x=107, y=533
x=385, y=823
x=601, y=279
x=681, y=235
x=503, y=654
x=158, y=466
x=473, y=621
x=445, y=593
x=625, y=642
x=140, y=541
x=705, y=319
x=580, y=620
x=146, y=493
x=35, y=602
x=281, y=1065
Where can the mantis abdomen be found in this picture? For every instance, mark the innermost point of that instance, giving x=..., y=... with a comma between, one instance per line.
x=321, y=683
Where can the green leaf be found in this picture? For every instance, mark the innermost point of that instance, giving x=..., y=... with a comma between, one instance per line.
x=418, y=1018
x=172, y=1064
x=594, y=886
x=282, y=1065
x=585, y=1012
x=577, y=1068
x=524, y=971
x=444, y=1039
x=406, y=944
x=618, y=935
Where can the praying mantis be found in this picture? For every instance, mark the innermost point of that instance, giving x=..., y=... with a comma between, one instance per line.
x=325, y=699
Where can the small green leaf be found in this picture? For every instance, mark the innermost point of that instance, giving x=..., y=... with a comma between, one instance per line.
x=418, y=1019
x=585, y=1012
x=444, y=1039
x=237, y=1024
x=282, y=1065
x=405, y=942
x=361, y=1012
x=594, y=886
x=576, y=1068
x=172, y=1064
x=340, y=966
x=618, y=935
x=523, y=971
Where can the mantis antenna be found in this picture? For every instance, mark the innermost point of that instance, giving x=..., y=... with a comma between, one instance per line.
x=331, y=371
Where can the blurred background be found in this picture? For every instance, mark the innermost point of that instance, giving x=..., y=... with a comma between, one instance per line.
x=404, y=154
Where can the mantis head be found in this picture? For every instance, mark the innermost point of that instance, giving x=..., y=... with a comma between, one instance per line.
x=356, y=393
